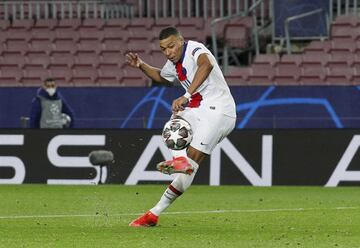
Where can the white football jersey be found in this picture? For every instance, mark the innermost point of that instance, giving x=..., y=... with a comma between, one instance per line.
x=214, y=92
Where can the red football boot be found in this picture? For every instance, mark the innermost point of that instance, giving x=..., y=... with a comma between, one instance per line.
x=146, y=220
x=177, y=165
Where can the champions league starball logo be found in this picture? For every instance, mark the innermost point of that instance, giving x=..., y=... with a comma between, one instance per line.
x=152, y=106
x=54, y=109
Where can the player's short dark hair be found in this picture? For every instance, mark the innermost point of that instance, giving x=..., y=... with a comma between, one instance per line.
x=168, y=31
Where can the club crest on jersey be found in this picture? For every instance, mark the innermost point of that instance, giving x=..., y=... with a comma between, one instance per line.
x=181, y=72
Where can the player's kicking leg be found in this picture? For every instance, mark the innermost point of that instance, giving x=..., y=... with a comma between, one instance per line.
x=185, y=173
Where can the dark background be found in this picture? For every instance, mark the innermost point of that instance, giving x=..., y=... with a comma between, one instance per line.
x=300, y=157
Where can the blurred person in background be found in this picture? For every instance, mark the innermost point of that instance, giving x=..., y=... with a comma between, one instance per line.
x=49, y=108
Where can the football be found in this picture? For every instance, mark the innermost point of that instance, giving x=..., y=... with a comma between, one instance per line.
x=177, y=134
x=66, y=120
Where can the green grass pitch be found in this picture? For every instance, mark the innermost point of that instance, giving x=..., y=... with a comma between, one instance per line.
x=226, y=216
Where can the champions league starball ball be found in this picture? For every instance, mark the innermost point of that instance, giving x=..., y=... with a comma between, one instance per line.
x=177, y=134
x=66, y=119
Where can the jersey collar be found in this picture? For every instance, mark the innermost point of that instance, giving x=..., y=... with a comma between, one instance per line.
x=183, y=54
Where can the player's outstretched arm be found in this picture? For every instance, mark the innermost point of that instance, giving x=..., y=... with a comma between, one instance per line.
x=204, y=68
x=134, y=60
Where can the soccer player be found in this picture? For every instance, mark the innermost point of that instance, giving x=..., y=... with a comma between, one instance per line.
x=207, y=105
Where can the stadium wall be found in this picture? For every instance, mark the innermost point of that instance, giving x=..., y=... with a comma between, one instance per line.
x=247, y=157
x=257, y=107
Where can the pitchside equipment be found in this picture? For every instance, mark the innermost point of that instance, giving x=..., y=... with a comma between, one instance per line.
x=177, y=134
x=101, y=158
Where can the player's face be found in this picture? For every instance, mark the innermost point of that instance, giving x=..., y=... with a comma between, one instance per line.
x=172, y=47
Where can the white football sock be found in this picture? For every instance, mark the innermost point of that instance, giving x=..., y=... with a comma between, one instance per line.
x=179, y=153
x=175, y=189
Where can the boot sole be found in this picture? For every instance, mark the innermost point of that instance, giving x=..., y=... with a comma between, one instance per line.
x=169, y=169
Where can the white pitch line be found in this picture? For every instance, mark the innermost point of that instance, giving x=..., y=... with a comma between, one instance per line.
x=259, y=210
x=177, y=213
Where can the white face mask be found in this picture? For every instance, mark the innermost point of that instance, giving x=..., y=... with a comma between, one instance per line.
x=51, y=91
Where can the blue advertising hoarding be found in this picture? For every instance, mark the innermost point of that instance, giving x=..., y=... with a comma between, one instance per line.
x=257, y=107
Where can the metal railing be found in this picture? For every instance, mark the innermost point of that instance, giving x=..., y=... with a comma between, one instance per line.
x=255, y=36
x=16, y=9
x=193, y=8
x=297, y=17
x=65, y=9
x=344, y=7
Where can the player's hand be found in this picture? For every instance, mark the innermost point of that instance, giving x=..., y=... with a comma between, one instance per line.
x=179, y=104
x=133, y=59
